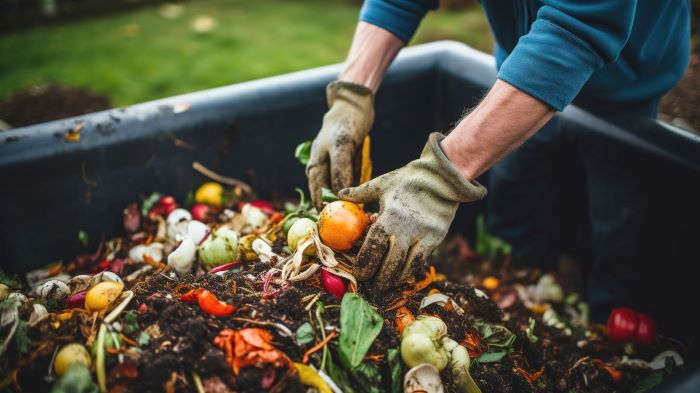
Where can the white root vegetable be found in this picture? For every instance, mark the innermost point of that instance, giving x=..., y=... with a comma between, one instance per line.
x=197, y=230
x=182, y=259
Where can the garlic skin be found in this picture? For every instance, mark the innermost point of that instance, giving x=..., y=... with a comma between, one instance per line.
x=423, y=378
x=153, y=250
x=198, y=231
x=177, y=223
x=182, y=259
x=53, y=290
x=254, y=216
x=39, y=314
x=106, y=276
x=79, y=283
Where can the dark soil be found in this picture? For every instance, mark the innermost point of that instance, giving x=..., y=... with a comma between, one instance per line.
x=43, y=103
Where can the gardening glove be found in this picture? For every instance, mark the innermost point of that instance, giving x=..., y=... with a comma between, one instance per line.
x=417, y=204
x=345, y=125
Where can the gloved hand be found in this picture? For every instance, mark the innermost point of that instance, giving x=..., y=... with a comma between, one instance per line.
x=417, y=204
x=345, y=125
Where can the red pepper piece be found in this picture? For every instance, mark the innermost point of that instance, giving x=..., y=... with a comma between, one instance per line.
x=190, y=296
x=210, y=304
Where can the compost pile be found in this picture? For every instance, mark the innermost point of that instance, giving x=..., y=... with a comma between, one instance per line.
x=226, y=293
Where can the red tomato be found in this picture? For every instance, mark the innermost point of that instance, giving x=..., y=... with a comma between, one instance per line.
x=200, y=212
x=622, y=324
x=646, y=330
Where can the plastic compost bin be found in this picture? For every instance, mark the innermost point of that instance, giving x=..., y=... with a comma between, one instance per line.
x=52, y=188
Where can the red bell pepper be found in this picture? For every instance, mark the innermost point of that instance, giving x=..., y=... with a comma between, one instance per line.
x=210, y=304
x=628, y=325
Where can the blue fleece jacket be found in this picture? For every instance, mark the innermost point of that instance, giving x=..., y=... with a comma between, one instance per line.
x=606, y=52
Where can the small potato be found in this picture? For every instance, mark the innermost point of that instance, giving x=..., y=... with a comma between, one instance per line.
x=69, y=354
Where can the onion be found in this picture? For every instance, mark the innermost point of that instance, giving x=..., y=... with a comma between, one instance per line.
x=100, y=296
x=76, y=300
x=219, y=248
x=333, y=284
x=301, y=229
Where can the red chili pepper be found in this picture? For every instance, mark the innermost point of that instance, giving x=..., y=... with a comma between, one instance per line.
x=627, y=325
x=615, y=374
x=210, y=304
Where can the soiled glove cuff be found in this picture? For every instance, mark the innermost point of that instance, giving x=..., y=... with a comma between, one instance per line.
x=353, y=93
x=455, y=187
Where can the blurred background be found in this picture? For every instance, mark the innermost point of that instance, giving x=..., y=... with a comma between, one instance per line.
x=61, y=58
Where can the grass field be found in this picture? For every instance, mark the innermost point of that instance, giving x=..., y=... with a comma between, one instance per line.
x=141, y=55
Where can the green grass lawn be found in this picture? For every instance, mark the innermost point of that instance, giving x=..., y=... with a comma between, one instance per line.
x=141, y=55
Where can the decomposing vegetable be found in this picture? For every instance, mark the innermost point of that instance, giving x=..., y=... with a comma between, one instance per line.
x=105, y=276
x=250, y=346
x=210, y=193
x=153, y=251
x=547, y=290
x=4, y=292
x=423, y=378
x=219, y=248
x=341, y=224
x=69, y=354
x=198, y=231
x=210, y=304
x=177, y=223
x=333, y=284
x=100, y=296
x=255, y=218
x=628, y=325
x=53, y=290
x=426, y=341
x=310, y=377
x=200, y=212
x=182, y=259
x=302, y=229
x=76, y=300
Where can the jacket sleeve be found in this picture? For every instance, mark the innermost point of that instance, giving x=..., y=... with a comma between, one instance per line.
x=568, y=41
x=399, y=17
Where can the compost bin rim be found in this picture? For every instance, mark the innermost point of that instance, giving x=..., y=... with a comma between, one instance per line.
x=46, y=139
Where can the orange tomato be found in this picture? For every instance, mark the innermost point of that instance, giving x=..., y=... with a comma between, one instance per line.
x=341, y=224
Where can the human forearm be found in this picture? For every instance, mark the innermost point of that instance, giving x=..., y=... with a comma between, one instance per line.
x=504, y=120
x=372, y=51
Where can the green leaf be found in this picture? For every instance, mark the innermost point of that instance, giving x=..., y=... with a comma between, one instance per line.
x=77, y=379
x=131, y=323
x=305, y=334
x=302, y=152
x=143, y=339
x=393, y=356
x=360, y=324
x=327, y=195
x=492, y=357
x=497, y=336
x=530, y=331
x=149, y=202
x=83, y=238
x=368, y=378
x=487, y=245
x=648, y=382
x=22, y=338
x=11, y=282
x=339, y=376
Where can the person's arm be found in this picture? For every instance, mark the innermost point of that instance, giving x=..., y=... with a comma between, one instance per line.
x=504, y=120
x=372, y=51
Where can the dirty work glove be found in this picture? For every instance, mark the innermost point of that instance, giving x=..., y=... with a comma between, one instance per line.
x=417, y=204
x=345, y=125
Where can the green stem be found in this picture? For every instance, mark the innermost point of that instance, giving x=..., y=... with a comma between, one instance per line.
x=319, y=311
